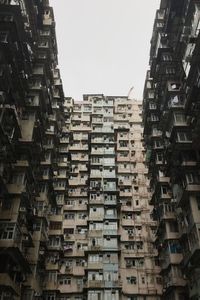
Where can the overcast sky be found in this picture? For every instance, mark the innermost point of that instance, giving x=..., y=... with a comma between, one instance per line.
x=103, y=45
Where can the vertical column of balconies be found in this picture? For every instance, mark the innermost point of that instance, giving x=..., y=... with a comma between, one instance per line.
x=75, y=214
x=168, y=244
x=57, y=150
x=46, y=84
x=186, y=188
x=138, y=267
x=102, y=255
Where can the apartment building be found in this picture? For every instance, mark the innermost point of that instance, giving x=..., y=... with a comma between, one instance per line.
x=108, y=230
x=31, y=137
x=171, y=131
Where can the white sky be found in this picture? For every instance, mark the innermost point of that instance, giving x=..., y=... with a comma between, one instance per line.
x=103, y=45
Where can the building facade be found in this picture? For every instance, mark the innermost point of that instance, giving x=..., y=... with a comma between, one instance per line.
x=81, y=215
x=171, y=131
x=31, y=136
x=108, y=232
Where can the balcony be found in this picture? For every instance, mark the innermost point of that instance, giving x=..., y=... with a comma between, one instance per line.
x=122, y=148
x=95, y=233
x=95, y=265
x=50, y=285
x=125, y=194
x=95, y=248
x=9, y=121
x=113, y=284
x=163, y=179
x=110, y=232
x=110, y=216
x=109, y=188
x=55, y=231
x=55, y=218
x=110, y=202
x=52, y=266
x=8, y=283
x=170, y=258
x=16, y=189
x=78, y=271
x=193, y=253
x=80, y=128
x=96, y=217
x=78, y=181
x=123, y=158
x=173, y=281
x=21, y=163
x=73, y=252
x=77, y=194
x=167, y=212
x=124, y=170
x=78, y=147
x=128, y=222
x=171, y=235
x=75, y=207
x=125, y=182
x=103, y=174
x=98, y=200
x=192, y=187
x=95, y=284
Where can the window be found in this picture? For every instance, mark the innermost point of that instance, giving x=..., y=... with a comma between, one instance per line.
x=60, y=199
x=50, y=297
x=154, y=117
x=152, y=105
x=179, y=117
x=66, y=281
x=167, y=57
x=174, y=246
x=69, y=216
x=37, y=225
x=52, y=276
x=6, y=204
x=54, y=241
x=158, y=280
x=183, y=137
x=7, y=231
x=173, y=226
x=18, y=178
x=3, y=36
x=151, y=94
x=143, y=280
x=43, y=188
x=170, y=70
x=164, y=190
x=139, y=245
x=131, y=280
x=157, y=144
x=82, y=216
x=198, y=202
